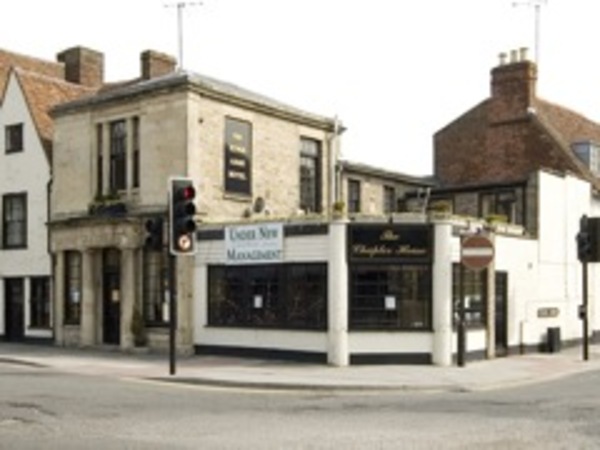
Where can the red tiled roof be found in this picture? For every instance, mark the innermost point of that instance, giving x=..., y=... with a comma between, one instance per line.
x=42, y=93
x=573, y=126
x=568, y=127
x=10, y=59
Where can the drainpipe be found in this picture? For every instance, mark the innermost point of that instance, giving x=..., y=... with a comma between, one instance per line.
x=334, y=150
x=52, y=299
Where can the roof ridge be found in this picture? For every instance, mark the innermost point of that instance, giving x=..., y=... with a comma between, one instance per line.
x=30, y=58
x=56, y=80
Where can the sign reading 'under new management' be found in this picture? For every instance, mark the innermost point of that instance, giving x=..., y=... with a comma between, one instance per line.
x=254, y=244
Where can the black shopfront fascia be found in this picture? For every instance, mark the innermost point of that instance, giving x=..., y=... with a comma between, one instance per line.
x=390, y=277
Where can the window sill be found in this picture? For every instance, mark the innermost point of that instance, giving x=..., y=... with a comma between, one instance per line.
x=19, y=247
x=241, y=198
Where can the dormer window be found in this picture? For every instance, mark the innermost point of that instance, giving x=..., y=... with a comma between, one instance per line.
x=13, y=138
x=589, y=153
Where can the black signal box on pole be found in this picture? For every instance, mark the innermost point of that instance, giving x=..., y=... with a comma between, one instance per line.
x=588, y=239
x=182, y=209
x=154, y=234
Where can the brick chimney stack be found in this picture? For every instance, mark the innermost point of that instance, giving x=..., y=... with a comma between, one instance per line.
x=156, y=64
x=513, y=87
x=83, y=66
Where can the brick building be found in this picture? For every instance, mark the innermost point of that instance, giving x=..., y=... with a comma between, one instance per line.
x=486, y=160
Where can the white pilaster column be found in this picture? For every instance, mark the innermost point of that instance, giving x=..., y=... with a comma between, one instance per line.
x=200, y=301
x=337, y=280
x=442, y=295
x=88, y=301
x=127, y=296
x=491, y=307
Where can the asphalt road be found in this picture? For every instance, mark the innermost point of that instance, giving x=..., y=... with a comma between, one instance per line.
x=42, y=408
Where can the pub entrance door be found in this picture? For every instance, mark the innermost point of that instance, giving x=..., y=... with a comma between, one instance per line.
x=14, y=309
x=111, y=296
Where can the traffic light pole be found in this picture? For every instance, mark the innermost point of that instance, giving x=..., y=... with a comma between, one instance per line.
x=172, y=316
x=584, y=312
x=461, y=329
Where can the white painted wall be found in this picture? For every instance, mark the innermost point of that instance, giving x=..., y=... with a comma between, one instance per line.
x=26, y=171
x=542, y=273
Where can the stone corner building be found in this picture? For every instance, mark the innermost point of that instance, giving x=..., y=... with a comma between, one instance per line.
x=113, y=155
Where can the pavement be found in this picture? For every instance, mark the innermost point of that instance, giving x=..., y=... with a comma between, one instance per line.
x=233, y=372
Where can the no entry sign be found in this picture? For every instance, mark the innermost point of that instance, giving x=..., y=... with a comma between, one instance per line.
x=476, y=252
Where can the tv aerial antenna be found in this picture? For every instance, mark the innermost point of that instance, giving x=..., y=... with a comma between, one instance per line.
x=537, y=7
x=180, y=7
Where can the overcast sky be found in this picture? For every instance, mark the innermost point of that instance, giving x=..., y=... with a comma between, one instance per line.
x=393, y=71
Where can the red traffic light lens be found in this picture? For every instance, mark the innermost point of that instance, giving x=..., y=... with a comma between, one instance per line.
x=188, y=193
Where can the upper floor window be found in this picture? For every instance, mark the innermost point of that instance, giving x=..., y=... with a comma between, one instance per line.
x=14, y=221
x=389, y=199
x=99, y=159
x=13, y=135
x=500, y=203
x=310, y=192
x=118, y=155
x=135, y=142
x=353, y=196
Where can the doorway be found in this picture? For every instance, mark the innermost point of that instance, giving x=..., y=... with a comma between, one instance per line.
x=14, y=311
x=501, y=313
x=111, y=296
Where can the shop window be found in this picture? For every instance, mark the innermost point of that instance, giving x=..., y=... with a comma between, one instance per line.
x=39, y=307
x=353, y=196
x=72, y=288
x=390, y=297
x=268, y=296
x=310, y=163
x=156, y=285
x=14, y=223
x=474, y=290
x=13, y=137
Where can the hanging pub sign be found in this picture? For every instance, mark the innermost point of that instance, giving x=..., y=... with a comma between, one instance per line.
x=390, y=243
x=238, y=156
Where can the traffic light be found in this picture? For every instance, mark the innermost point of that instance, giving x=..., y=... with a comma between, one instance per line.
x=587, y=239
x=584, y=246
x=154, y=234
x=181, y=216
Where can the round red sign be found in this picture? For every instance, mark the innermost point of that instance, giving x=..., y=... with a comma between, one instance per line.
x=476, y=251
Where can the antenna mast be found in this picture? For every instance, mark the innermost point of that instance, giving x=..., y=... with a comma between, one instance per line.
x=180, y=6
x=537, y=9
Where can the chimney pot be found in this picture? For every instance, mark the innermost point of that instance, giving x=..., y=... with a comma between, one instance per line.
x=513, y=56
x=523, y=53
x=502, y=58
